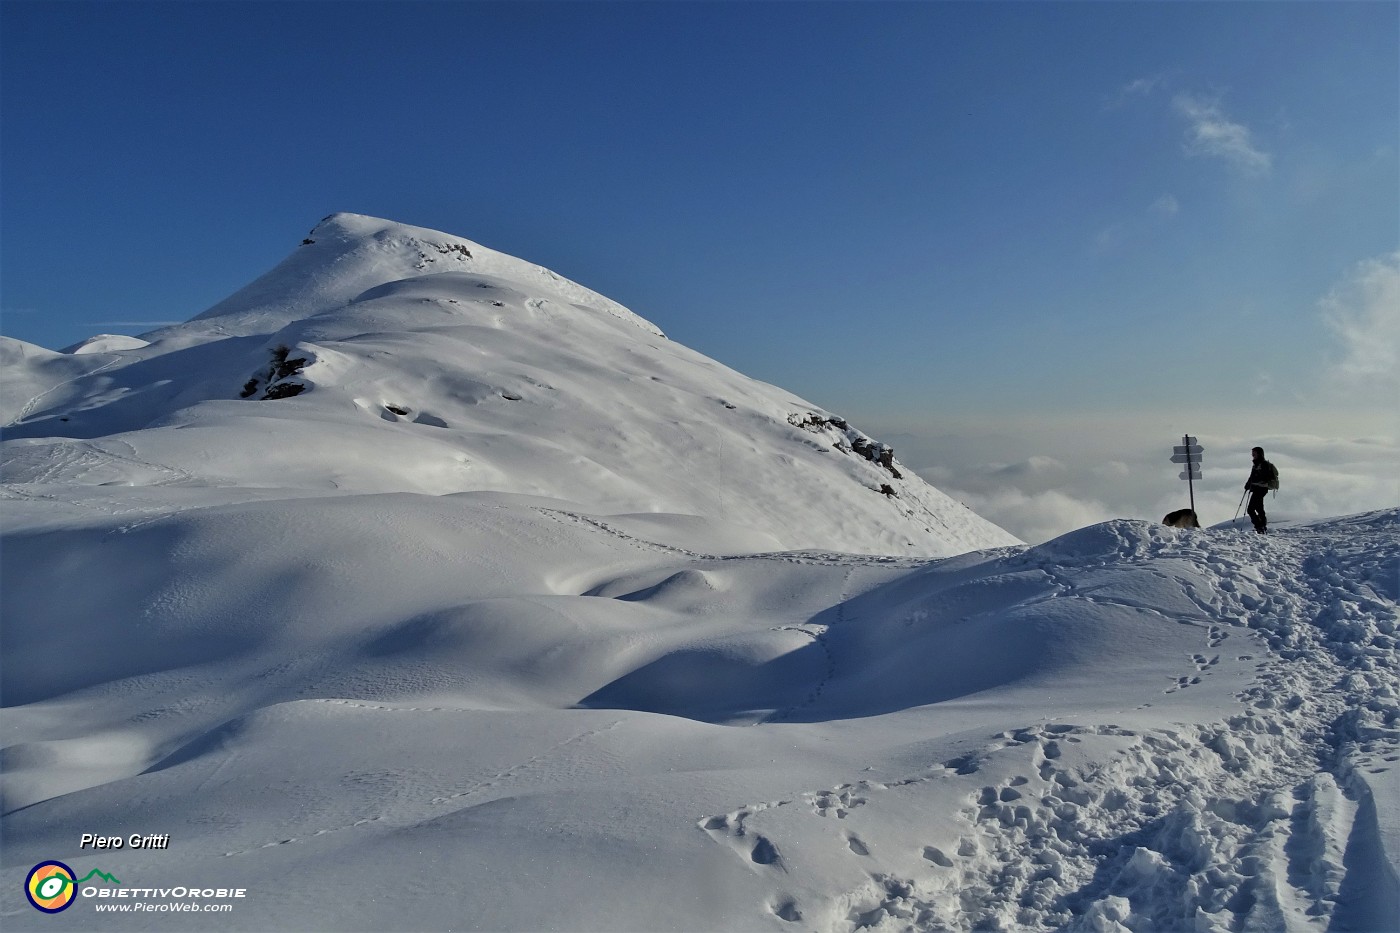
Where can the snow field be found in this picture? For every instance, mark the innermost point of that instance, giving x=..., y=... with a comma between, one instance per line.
x=415, y=587
x=1198, y=777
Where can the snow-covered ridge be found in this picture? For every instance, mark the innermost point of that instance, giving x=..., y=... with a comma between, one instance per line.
x=380, y=357
x=107, y=343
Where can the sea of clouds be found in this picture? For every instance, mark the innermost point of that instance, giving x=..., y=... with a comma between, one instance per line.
x=1044, y=495
x=1335, y=438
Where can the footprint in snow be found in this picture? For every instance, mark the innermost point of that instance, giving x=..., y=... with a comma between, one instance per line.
x=936, y=856
x=786, y=909
x=764, y=852
x=964, y=764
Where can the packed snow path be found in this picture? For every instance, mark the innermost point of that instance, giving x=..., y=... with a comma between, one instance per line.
x=1266, y=820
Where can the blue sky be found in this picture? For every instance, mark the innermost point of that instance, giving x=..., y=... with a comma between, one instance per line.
x=935, y=217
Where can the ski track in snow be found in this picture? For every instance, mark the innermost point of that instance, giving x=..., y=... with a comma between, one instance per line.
x=588, y=521
x=819, y=638
x=1239, y=824
x=33, y=403
x=812, y=558
x=66, y=459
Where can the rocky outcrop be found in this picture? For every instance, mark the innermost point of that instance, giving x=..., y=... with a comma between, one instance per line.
x=276, y=378
x=848, y=439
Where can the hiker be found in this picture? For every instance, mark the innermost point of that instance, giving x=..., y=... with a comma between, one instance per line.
x=1263, y=476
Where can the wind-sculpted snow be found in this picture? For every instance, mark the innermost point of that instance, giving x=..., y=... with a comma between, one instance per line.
x=1130, y=727
x=416, y=588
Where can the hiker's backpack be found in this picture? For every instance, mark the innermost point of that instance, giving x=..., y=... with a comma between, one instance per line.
x=1272, y=479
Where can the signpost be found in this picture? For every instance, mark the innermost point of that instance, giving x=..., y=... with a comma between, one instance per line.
x=1188, y=452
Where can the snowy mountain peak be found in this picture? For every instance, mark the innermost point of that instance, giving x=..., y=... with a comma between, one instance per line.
x=347, y=255
x=380, y=357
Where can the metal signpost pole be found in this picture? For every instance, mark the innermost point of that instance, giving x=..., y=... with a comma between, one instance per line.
x=1190, y=486
x=1190, y=455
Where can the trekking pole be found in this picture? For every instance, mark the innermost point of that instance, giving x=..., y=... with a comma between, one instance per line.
x=1238, y=507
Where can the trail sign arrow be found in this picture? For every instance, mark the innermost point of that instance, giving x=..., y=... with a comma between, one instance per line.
x=1194, y=474
x=1194, y=450
x=1185, y=458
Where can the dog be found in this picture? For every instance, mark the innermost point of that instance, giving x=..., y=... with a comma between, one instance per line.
x=1181, y=518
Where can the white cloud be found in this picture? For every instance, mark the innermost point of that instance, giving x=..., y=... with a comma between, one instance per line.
x=1212, y=133
x=1033, y=517
x=1138, y=87
x=1166, y=206
x=1113, y=469
x=1033, y=467
x=1110, y=238
x=1115, y=235
x=1363, y=312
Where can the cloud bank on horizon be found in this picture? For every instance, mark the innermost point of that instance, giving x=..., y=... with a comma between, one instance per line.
x=1040, y=497
x=1091, y=469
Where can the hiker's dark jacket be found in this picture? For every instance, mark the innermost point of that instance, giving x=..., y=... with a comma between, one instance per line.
x=1260, y=475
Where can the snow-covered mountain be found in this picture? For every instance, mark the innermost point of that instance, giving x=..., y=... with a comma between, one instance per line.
x=382, y=358
x=413, y=588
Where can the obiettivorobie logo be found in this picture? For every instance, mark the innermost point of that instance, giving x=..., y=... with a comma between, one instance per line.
x=52, y=886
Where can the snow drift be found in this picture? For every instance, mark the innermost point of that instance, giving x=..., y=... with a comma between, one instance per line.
x=413, y=587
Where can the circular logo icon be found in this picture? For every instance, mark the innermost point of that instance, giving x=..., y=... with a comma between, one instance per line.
x=50, y=887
